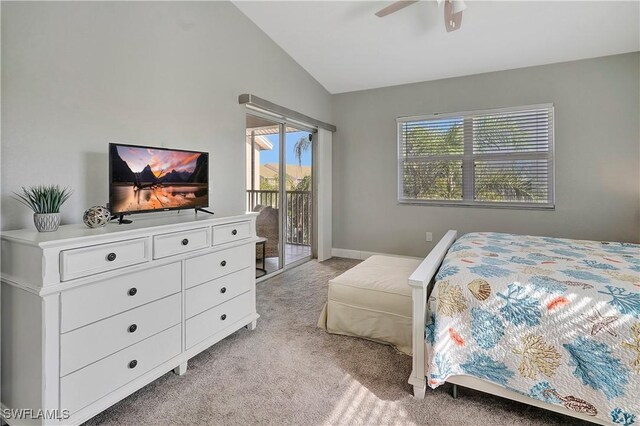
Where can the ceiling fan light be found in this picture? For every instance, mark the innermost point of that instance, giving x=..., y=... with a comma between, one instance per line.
x=458, y=6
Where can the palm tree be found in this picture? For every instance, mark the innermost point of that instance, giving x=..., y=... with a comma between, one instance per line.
x=299, y=213
x=433, y=179
x=442, y=179
x=303, y=144
x=507, y=181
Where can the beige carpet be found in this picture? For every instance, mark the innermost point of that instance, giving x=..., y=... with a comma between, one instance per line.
x=289, y=372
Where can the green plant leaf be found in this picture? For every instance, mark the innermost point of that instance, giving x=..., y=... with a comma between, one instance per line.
x=43, y=198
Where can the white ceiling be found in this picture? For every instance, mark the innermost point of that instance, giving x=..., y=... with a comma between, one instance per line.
x=346, y=48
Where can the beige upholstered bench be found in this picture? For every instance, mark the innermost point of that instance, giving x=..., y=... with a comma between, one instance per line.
x=372, y=300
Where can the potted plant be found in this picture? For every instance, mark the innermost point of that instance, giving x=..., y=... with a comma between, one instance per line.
x=45, y=201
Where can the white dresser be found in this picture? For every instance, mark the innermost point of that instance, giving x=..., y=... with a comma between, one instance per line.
x=89, y=316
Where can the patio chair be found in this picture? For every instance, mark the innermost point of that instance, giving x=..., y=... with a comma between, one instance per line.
x=267, y=225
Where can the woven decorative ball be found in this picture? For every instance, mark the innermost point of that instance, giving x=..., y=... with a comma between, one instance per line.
x=96, y=216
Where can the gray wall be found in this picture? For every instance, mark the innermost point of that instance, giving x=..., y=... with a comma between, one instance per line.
x=597, y=136
x=78, y=75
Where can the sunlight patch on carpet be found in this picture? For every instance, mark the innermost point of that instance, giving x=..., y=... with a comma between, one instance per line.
x=358, y=405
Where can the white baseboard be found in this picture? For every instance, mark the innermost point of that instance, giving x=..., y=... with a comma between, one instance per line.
x=346, y=253
x=362, y=255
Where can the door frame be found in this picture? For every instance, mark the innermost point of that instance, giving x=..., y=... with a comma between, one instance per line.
x=283, y=122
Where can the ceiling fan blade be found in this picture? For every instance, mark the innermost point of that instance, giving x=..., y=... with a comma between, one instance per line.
x=394, y=7
x=453, y=15
x=458, y=6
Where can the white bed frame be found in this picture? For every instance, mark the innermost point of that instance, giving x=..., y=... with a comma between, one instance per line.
x=421, y=282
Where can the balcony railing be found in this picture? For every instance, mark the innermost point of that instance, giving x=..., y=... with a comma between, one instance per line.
x=299, y=212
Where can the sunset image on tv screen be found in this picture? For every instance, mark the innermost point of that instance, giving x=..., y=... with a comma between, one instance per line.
x=144, y=179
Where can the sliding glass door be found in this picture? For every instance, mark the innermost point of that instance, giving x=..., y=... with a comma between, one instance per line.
x=280, y=188
x=299, y=196
x=263, y=141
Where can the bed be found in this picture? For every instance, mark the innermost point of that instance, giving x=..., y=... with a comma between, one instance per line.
x=550, y=322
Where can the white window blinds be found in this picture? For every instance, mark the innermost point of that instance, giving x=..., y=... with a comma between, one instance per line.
x=500, y=157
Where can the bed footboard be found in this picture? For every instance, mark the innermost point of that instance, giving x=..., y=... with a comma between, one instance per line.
x=421, y=282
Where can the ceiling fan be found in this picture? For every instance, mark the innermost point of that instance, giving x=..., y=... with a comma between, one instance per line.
x=452, y=11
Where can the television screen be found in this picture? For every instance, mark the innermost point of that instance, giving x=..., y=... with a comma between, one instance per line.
x=144, y=179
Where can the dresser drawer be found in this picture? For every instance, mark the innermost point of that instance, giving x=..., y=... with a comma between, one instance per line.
x=217, y=319
x=90, y=303
x=213, y=293
x=180, y=242
x=81, y=388
x=92, y=260
x=231, y=232
x=208, y=267
x=88, y=344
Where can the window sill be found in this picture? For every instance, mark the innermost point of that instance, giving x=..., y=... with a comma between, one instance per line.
x=484, y=205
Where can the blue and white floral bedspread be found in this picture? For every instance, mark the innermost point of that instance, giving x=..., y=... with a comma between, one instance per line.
x=555, y=319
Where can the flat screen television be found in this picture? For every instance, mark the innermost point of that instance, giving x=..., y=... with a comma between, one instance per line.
x=147, y=179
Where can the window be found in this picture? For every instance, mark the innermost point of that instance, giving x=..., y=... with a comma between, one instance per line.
x=501, y=157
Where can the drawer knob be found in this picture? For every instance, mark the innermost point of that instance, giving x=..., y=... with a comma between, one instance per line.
x=185, y=242
x=111, y=257
x=133, y=328
x=223, y=290
x=234, y=232
x=133, y=364
x=132, y=291
x=223, y=317
x=223, y=263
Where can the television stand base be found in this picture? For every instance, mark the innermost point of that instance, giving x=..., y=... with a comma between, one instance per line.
x=121, y=220
x=199, y=209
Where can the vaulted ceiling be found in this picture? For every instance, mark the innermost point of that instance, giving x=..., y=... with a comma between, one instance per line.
x=344, y=46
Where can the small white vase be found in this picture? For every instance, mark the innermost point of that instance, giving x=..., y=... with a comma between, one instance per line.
x=46, y=222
